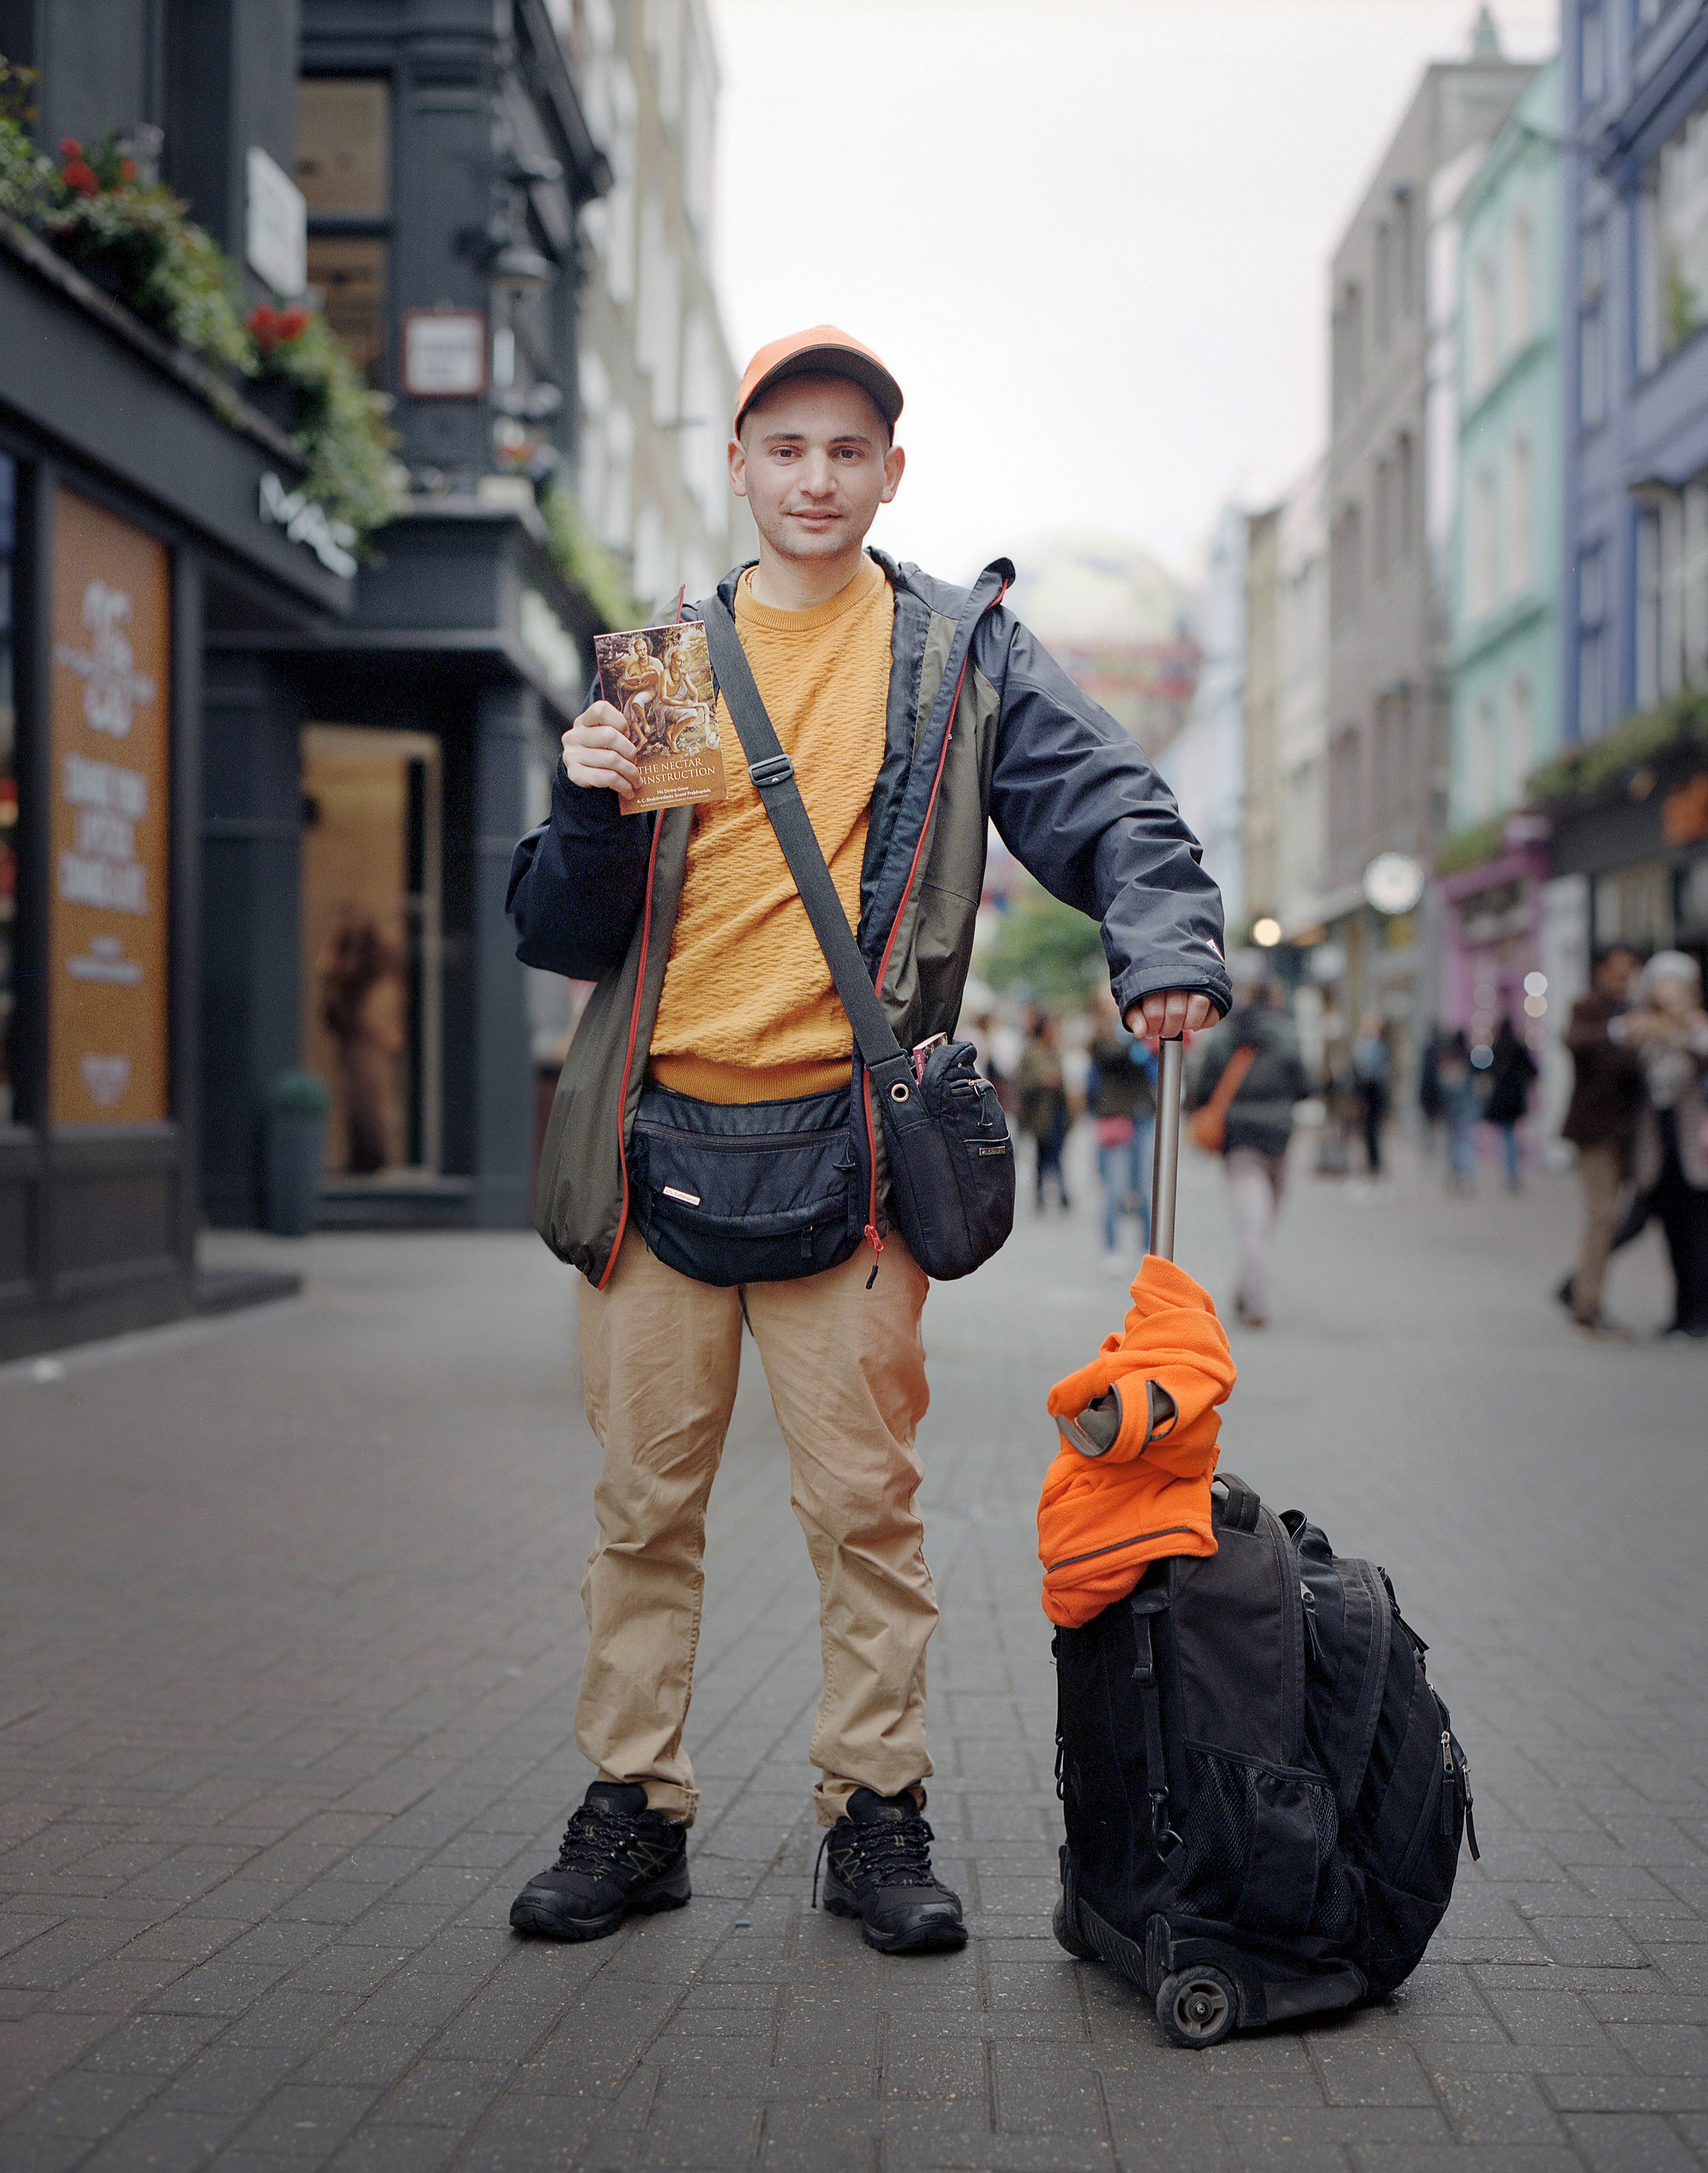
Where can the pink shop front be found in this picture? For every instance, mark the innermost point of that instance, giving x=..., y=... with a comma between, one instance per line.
x=1492, y=940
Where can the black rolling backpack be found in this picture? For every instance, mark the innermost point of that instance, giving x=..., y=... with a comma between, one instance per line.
x=1264, y=1795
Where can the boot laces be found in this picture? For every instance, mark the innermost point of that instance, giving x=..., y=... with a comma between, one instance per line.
x=595, y=1839
x=891, y=1852
x=895, y=1851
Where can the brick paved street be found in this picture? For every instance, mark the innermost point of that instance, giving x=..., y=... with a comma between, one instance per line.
x=291, y=1633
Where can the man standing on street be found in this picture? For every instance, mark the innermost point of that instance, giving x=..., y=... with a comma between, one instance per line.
x=1600, y=1122
x=712, y=987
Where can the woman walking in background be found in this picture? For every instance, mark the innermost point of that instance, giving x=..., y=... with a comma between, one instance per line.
x=1371, y=1071
x=1041, y=1094
x=1670, y=1033
x=1255, y=1053
x=1123, y=1108
x=1462, y=1104
x=1512, y=1074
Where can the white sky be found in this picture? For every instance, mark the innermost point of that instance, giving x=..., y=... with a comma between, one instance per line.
x=1089, y=237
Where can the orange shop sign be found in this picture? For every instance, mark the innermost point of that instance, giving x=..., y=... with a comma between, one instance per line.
x=110, y=781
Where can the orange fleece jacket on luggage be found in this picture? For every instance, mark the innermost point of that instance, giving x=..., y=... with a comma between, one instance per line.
x=1101, y=1520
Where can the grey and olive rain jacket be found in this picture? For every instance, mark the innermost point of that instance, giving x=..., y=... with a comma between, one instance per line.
x=593, y=893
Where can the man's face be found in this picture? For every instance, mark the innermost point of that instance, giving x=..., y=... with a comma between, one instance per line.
x=1614, y=973
x=815, y=462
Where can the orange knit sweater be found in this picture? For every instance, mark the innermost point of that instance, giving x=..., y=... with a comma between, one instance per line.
x=748, y=1011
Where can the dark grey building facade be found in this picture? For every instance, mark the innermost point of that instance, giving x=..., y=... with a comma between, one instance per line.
x=255, y=811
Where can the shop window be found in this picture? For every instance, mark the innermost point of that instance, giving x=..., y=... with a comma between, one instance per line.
x=1591, y=332
x=344, y=146
x=1346, y=796
x=348, y=273
x=1675, y=282
x=1521, y=281
x=1672, y=593
x=1347, y=349
x=1479, y=542
x=8, y=792
x=1520, y=748
x=1483, y=327
x=1346, y=567
x=1592, y=53
x=1405, y=495
x=1634, y=905
x=370, y=1006
x=344, y=171
x=1520, y=516
x=1486, y=757
x=1591, y=647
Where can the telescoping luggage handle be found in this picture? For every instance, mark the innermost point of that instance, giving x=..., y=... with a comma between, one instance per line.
x=1165, y=1169
x=1093, y=1432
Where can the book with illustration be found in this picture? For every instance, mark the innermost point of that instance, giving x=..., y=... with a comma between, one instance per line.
x=658, y=680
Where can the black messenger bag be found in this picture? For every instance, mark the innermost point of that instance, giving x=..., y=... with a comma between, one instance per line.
x=774, y=1190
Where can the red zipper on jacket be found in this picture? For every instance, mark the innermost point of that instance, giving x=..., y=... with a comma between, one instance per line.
x=870, y=1232
x=628, y=1054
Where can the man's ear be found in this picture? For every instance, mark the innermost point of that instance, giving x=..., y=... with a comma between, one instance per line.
x=738, y=468
x=894, y=461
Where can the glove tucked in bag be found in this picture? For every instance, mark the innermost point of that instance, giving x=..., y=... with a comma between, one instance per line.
x=950, y=1158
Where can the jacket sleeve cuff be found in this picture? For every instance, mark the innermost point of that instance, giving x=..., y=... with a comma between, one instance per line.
x=1196, y=978
x=583, y=810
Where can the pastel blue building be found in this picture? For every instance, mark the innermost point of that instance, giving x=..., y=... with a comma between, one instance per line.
x=1634, y=383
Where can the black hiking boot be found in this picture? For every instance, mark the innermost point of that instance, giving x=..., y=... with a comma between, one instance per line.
x=618, y=1859
x=879, y=1869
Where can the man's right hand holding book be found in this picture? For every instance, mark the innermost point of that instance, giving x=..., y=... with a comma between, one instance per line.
x=598, y=752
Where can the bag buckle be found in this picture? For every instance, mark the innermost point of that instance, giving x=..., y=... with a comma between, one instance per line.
x=770, y=769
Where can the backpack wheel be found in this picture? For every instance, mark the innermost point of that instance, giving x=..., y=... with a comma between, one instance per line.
x=1067, y=1937
x=1196, y=2008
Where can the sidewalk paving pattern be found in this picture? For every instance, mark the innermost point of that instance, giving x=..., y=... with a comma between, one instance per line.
x=291, y=1633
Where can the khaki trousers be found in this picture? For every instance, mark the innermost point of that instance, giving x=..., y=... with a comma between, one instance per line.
x=660, y=1358
x=1599, y=1173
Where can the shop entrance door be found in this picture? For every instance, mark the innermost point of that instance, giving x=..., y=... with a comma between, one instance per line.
x=371, y=947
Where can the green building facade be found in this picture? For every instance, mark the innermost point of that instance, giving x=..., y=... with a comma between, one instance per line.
x=1506, y=576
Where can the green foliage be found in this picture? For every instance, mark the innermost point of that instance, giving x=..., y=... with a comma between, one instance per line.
x=1471, y=846
x=26, y=178
x=1582, y=772
x=131, y=238
x=134, y=240
x=299, y=1094
x=585, y=562
x=1047, y=948
x=337, y=422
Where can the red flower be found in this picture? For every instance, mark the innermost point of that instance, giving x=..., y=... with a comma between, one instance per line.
x=69, y=148
x=127, y=169
x=77, y=173
x=294, y=323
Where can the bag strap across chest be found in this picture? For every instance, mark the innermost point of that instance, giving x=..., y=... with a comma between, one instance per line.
x=773, y=778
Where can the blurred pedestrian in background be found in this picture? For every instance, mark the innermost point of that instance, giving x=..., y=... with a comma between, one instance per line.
x=1510, y=1076
x=1040, y=1100
x=1670, y=1033
x=1123, y=1100
x=1257, y=1047
x=1429, y=1090
x=1600, y=1122
x=362, y=1004
x=1461, y=1105
x=1372, y=1072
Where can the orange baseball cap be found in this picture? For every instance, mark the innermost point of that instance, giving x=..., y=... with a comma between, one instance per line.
x=823, y=349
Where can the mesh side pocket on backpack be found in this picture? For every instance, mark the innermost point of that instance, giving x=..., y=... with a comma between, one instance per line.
x=1261, y=1846
x=1214, y=1817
